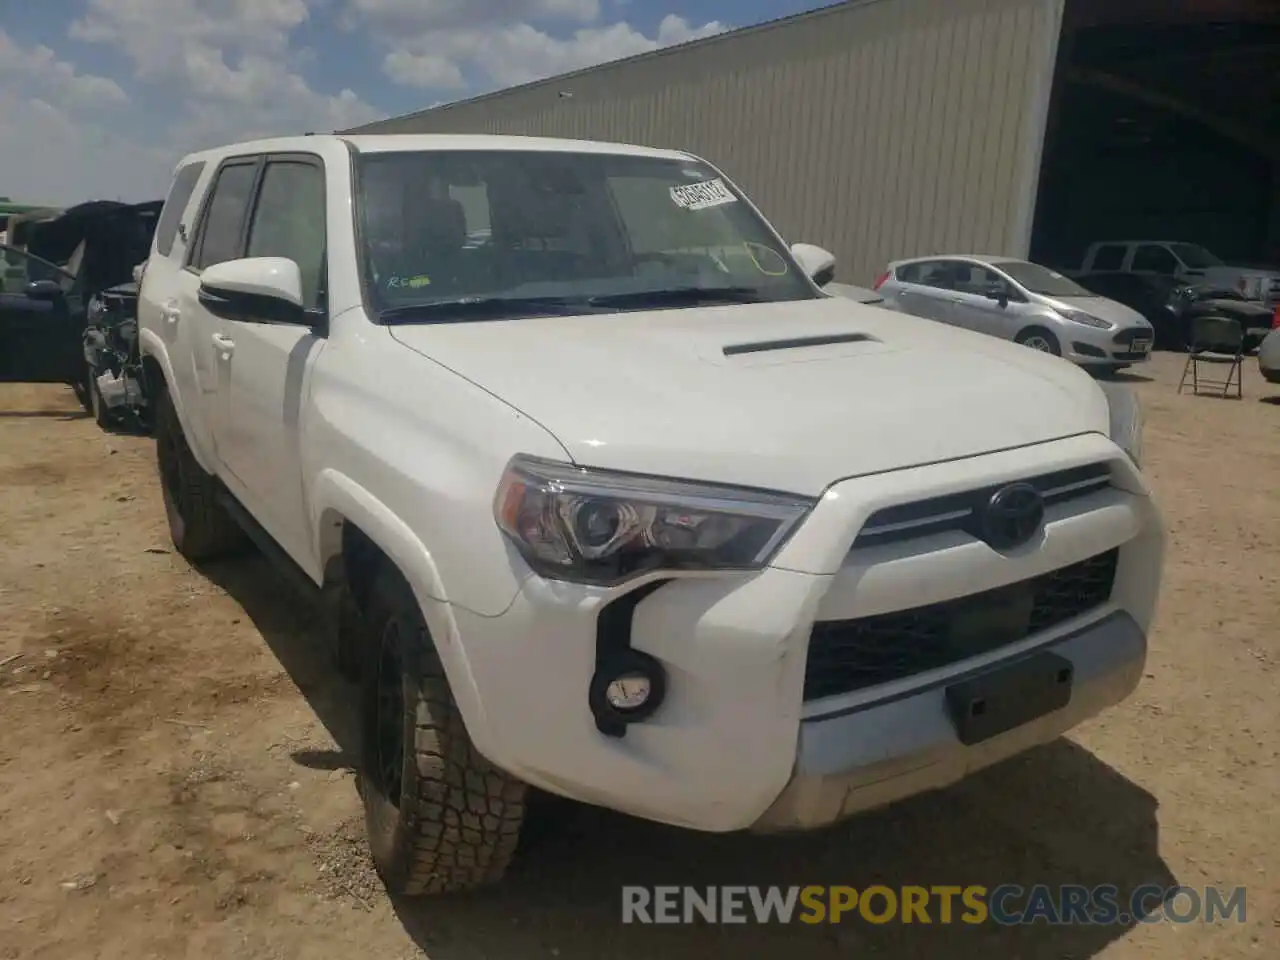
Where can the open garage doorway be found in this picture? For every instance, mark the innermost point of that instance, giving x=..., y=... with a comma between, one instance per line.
x=1164, y=124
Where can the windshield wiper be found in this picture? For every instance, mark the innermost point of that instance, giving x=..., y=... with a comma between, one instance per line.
x=678, y=296
x=482, y=308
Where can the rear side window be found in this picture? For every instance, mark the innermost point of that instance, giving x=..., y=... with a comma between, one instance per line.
x=1156, y=259
x=929, y=273
x=1110, y=257
x=179, y=196
x=223, y=222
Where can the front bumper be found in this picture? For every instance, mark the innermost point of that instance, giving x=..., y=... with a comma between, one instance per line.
x=1089, y=347
x=900, y=746
x=735, y=745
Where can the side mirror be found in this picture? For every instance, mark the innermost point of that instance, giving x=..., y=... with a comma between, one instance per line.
x=43, y=290
x=818, y=263
x=255, y=290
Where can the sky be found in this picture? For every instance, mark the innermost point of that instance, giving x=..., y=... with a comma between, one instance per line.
x=100, y=98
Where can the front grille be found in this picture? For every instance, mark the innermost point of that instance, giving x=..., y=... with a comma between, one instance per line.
x=1126, y=337
x=959, y=511
x=848, y=655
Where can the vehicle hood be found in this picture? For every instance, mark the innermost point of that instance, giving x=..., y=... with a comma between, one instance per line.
x=654, y=392
x=1104, y=308
x=124, y=290
x=1236, y=269
x=112, y=237
x=1251, y=281
x=1249, y=309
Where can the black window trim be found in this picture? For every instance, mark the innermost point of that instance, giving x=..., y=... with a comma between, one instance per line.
x=195, y=249
x=199, y=166
x=319, y=315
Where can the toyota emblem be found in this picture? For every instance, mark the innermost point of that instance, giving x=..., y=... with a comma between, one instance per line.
x=1012, y=516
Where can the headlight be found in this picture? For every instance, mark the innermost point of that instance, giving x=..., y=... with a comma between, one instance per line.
x=1079, y=316
x=600, y=527
x=1126, y=420
x=95, y=311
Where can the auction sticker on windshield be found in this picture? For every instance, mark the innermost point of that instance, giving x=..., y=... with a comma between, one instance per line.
x=699, y=196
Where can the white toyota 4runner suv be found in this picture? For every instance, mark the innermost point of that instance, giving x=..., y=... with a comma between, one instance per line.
x=608, y=499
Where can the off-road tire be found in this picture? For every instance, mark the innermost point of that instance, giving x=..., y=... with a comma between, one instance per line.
x=452, y=821
x=1034, y=336
x=201, y=529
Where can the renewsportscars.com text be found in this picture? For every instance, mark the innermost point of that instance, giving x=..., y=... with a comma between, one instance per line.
x=1006, y=905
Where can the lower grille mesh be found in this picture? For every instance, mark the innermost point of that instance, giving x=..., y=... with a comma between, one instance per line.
x=848, y=655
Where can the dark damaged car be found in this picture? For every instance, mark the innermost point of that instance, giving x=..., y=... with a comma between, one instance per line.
x=67, y=305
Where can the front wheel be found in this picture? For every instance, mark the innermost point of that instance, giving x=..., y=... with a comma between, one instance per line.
x=440, y=818
x=1038, y=338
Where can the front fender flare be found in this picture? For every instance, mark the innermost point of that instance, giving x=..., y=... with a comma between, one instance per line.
x=151, y=346
x=335, y=499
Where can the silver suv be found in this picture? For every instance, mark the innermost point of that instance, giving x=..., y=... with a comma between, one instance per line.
x=1021, y=301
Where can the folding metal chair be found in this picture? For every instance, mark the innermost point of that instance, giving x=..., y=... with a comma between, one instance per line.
x=1218, y=341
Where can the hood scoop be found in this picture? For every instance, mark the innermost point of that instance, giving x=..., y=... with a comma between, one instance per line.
x=797, y=343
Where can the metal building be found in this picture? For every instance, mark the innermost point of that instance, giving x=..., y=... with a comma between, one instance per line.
x=878, y=128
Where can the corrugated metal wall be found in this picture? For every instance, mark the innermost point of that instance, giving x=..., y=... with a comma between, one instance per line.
x=878, y=128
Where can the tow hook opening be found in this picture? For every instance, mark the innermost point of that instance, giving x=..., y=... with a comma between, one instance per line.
x=628, y=686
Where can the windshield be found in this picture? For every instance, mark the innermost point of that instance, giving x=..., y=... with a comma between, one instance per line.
x=1194, y=257
x=602, y=230
x=1042, y=280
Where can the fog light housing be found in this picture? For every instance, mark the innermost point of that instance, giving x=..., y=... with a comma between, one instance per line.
x=627, y=688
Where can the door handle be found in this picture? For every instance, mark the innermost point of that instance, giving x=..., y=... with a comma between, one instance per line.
x=225, y=344
x=170, y=313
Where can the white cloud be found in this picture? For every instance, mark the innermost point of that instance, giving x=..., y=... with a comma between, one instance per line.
x=49, y=155
x=398, y=17
x=521, y=53
x=429, y=70
x=55, y=122
x=230, y=59
x=203, y=72
x=39, y=69
x=514, y=53
x=224, y=68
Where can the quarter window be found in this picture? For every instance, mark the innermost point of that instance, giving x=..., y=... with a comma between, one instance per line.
x=179, y=196
x=1110, y=257
x=1155, y=259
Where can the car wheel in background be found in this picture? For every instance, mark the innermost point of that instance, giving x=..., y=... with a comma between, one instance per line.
x=1038, y=338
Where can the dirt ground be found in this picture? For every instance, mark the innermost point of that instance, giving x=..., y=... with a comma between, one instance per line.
x=175, y=757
